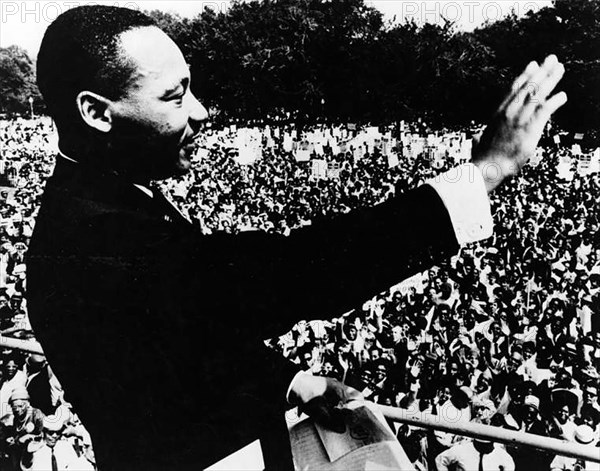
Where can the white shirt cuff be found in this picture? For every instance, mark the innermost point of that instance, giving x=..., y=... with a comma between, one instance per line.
x=287, y=395
x=463, y=192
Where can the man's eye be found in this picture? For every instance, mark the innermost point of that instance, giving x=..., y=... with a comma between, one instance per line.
x=177, y=97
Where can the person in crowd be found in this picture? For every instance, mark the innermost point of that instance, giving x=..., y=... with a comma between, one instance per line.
x=474, y=455
x=6, y=313
x=526, y=418
x=562, y=423
x=584, y=435
x=590, y=397
x=44, y=389
x=12, y=378
x=19, y=428
x=483, y=411
x=52, y=452
x=591, y=418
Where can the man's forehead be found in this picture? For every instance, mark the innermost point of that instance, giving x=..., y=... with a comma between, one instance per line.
x=158, y=60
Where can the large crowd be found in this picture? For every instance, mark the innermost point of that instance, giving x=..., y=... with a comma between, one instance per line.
x=38, y=427
x=506, y=333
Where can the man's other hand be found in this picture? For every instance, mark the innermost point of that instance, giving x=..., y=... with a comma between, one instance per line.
x=511, y=138
x=321, y=398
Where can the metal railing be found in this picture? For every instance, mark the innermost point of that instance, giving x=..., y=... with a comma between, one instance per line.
x=29, y=346
x=491, y=433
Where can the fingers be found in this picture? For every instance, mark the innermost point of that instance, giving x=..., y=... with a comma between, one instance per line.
x=322, y=412
x=326, y=408
x=345, y=393
x=352, y=394
x=523, y=99
x=546, y=110
x=544, y=71
x=549, y=83
x=519, y=82
x=543, y=86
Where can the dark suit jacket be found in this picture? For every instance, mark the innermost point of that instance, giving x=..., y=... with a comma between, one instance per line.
x=155, y=330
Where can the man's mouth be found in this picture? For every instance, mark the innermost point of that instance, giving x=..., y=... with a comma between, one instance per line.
x=191, y=140
x=190, y=144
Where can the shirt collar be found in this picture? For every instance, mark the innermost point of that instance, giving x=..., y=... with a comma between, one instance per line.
x=62, y=154
x=145, y=190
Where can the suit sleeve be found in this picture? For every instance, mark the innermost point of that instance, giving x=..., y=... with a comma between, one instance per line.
x=323, y=270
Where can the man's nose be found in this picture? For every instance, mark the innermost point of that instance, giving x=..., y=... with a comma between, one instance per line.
x=197, y=111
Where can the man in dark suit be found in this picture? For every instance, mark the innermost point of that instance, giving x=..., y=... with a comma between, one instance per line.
x=154, y=330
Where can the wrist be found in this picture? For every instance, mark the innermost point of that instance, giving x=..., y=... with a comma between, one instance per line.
x=495, y=170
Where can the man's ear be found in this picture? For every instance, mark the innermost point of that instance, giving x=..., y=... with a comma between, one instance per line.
x=94, y=110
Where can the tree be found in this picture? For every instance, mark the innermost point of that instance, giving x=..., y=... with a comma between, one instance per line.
x=261, y=57
x=570, y=29
x=17, y=81
x=338, y=60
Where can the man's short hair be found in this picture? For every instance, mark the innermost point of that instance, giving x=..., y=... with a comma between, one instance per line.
x=81, y=51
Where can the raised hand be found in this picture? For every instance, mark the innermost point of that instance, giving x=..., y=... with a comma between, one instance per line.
x=511, y=138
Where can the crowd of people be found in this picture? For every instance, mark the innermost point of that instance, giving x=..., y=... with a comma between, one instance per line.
x=38, y=428
x=506, y=333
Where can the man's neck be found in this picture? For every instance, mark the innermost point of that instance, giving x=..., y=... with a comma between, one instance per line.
x=141, y=183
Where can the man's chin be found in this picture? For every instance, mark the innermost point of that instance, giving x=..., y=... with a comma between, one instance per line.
x=178, y=167
x=183, y=163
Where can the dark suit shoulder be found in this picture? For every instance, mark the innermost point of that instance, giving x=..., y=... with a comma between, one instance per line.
x=83, y=212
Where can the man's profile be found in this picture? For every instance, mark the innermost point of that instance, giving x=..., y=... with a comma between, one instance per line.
x=137, y=310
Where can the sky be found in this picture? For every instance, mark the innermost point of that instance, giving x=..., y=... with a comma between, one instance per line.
x=24, y=22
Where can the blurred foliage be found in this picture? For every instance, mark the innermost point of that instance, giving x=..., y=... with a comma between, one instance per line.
x=17, y=82
x=339, y=60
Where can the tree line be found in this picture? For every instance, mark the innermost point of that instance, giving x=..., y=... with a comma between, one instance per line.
x=339, y=60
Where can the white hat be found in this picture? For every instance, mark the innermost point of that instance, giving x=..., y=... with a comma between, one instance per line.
x=532, y=401
x=584, y=434
x=54, y=423
x=19, y=394
x=487, y=403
